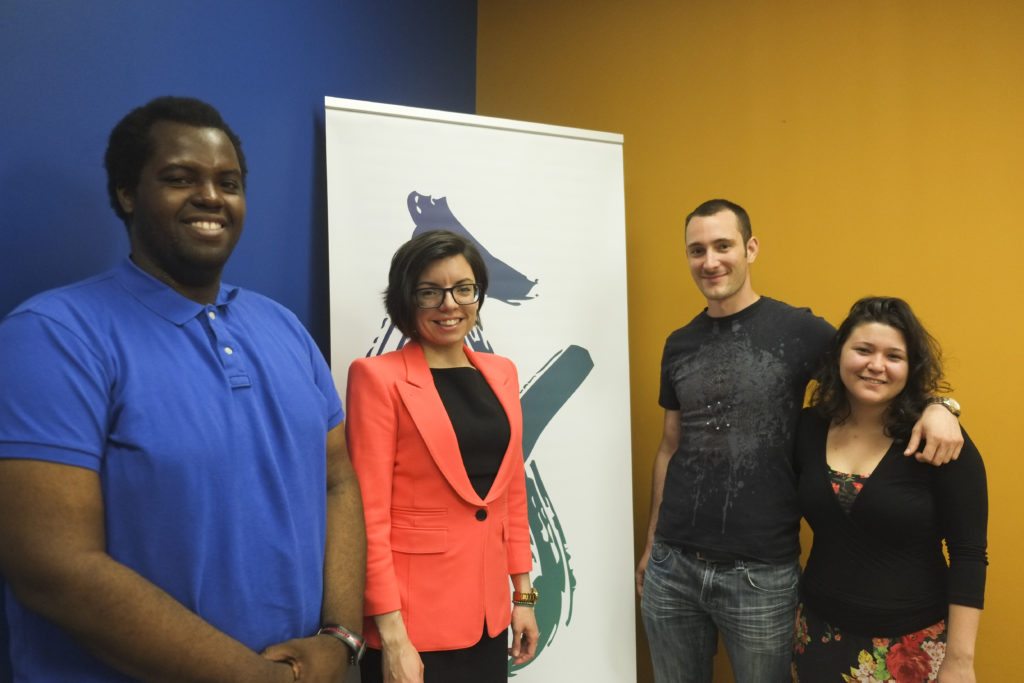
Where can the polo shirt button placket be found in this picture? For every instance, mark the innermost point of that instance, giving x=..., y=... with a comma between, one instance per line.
x=227, y=351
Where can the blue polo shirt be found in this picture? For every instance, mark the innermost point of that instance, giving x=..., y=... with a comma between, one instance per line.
x=207, y=425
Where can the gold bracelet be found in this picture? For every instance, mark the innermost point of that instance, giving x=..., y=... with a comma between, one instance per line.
x=527, y=599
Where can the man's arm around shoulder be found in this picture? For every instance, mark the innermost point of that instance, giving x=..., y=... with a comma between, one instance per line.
x=943, y=438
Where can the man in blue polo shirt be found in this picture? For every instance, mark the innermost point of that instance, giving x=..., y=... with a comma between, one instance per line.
x=176, y=499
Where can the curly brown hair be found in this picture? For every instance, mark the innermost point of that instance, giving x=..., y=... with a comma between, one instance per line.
x=924, y=365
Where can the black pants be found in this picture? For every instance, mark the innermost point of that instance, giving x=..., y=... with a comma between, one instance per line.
x=485, y=662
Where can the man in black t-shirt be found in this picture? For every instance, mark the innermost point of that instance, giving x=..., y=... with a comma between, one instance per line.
x=723, y=540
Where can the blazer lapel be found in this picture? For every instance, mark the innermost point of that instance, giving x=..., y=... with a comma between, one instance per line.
x=431, y=419
x=508, y=395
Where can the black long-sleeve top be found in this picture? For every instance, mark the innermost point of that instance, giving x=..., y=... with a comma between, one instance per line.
x=479, y=421
x=880, y=569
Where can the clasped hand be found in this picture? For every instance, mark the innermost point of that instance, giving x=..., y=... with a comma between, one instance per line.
x=316, y=659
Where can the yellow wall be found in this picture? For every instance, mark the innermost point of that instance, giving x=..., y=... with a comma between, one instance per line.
x=878, y=146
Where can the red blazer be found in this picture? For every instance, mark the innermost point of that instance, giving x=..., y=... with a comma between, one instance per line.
x=435, y=550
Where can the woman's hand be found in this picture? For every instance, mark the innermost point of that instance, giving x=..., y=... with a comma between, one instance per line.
x=956, y=670
x=958, y=664
x=525, y=634
x=401, y=663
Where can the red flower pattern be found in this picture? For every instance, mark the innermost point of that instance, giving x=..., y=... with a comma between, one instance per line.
x=906, y=660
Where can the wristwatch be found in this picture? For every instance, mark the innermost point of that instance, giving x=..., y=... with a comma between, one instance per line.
x=949, y=403
x=353, y=640
x=527, y=599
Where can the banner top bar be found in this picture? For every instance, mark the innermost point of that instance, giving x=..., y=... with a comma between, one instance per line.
x=473, y=120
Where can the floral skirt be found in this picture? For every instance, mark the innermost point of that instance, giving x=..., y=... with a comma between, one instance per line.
x=822, y=654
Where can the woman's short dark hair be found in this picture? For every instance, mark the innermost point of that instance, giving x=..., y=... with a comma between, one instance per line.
x=131, y=145
x=414, y=257
x=924, y=366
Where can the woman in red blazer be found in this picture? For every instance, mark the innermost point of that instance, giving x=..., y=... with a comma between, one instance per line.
x=435, y=435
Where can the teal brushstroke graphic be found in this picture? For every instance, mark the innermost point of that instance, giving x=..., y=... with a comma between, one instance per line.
x=542, y=397
x=547, y=391
x=555, y=581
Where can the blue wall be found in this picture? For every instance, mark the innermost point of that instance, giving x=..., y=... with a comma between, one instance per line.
x=70, y=70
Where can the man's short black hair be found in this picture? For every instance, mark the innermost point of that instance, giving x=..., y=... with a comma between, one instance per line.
x=713, y=206
x=408, y=264
x=131, y=145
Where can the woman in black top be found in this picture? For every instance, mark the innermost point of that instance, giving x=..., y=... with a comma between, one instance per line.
x=879, y=602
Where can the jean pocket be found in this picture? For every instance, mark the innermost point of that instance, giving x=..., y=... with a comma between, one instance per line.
x=773, y=578
x=660, y=552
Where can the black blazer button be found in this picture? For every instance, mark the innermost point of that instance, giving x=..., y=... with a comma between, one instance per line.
x=481, y=514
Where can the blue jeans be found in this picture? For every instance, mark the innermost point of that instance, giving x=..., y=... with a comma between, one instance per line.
x=688, y=601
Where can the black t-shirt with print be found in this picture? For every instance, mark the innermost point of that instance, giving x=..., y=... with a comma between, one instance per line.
x=738, y=383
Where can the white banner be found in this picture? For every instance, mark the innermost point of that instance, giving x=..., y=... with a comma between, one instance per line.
x=545, y=206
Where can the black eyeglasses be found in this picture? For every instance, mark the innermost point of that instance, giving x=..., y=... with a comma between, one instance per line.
x=433, y=297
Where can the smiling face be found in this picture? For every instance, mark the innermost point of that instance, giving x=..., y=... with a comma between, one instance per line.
x=187, y=211
x=442, y=331
x=720, y=262
x=873, y=364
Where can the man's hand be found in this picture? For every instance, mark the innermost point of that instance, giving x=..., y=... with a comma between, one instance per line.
x=941, y=433
x=641, y=571
x=670, y=433
x=317, y=659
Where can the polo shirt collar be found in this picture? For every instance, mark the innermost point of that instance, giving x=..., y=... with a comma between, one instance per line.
x=162, y=299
